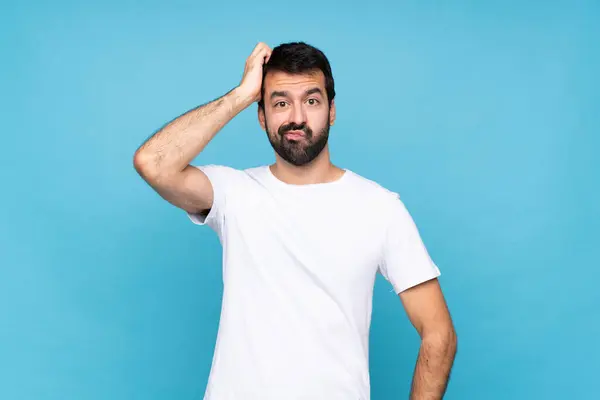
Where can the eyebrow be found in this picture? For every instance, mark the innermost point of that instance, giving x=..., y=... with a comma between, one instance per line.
x=306, y=93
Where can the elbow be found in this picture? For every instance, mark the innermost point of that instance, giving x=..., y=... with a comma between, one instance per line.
x=144, y=164
x=443, y=339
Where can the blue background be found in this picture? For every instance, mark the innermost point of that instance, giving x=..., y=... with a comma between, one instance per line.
x=483, y=115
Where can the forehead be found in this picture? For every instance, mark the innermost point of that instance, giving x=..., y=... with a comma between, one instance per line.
x=293, y=83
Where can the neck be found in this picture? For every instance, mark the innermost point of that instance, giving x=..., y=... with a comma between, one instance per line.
x=320, y=170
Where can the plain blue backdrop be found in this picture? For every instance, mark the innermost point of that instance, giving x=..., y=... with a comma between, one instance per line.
x=484, y=116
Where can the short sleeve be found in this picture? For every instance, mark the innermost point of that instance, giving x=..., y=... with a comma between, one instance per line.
x=405, y=262
x=223, y=180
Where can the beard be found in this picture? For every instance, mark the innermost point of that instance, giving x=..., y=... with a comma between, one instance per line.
x=300, y=151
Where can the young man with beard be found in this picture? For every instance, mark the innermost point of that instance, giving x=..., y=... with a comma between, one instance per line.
x=302, y=242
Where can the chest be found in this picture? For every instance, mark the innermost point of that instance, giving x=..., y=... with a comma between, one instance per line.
x=335, y=239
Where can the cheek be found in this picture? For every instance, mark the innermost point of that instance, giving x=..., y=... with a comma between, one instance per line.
x=318, y=120
x=273, y=122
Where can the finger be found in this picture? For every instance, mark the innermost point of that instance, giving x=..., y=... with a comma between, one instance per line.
x=256, y=49
x=265, y=55
x=260, y=57
x=261, y=46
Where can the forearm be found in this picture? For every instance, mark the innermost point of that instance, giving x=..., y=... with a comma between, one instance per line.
x=432, y=371
x=175, y=145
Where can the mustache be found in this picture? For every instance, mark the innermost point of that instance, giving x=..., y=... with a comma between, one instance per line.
x=283, y=129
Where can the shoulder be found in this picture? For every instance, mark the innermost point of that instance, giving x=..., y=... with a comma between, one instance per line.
x=231, y=179
x=387, y=207
x=373, y=191
x=219, y=171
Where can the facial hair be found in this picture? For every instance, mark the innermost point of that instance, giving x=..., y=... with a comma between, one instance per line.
x=301, y=151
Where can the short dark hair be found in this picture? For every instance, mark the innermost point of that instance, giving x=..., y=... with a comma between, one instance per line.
x=299, y=58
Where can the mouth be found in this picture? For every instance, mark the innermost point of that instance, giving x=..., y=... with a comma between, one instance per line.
x=294, y=135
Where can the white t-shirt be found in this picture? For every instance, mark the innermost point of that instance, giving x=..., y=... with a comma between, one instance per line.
x=299, y=266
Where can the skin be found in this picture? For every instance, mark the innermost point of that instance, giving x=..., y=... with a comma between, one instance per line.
x=163, y=161
x=299, y=100
x=428, y=312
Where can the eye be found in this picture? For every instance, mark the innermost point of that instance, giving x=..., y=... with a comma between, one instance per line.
x=280, y=104
x=313, y=102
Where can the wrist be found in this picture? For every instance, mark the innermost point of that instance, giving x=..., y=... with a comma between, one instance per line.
x=241, y=98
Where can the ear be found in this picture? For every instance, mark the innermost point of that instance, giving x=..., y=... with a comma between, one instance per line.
x=332, y=112
x=261, y=117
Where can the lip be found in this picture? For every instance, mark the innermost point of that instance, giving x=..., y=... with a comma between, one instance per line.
x=294, y=134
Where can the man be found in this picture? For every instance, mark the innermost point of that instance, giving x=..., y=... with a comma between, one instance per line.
x=302, y=242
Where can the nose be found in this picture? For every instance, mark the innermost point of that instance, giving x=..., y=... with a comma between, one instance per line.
x=298, y=115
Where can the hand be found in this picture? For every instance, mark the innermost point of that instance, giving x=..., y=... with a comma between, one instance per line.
x=251, y=83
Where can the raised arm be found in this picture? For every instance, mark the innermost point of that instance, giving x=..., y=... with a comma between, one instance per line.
x=428, y=312
x=163, y=160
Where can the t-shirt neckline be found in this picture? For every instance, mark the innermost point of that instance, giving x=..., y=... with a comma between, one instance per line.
x=281, y=183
